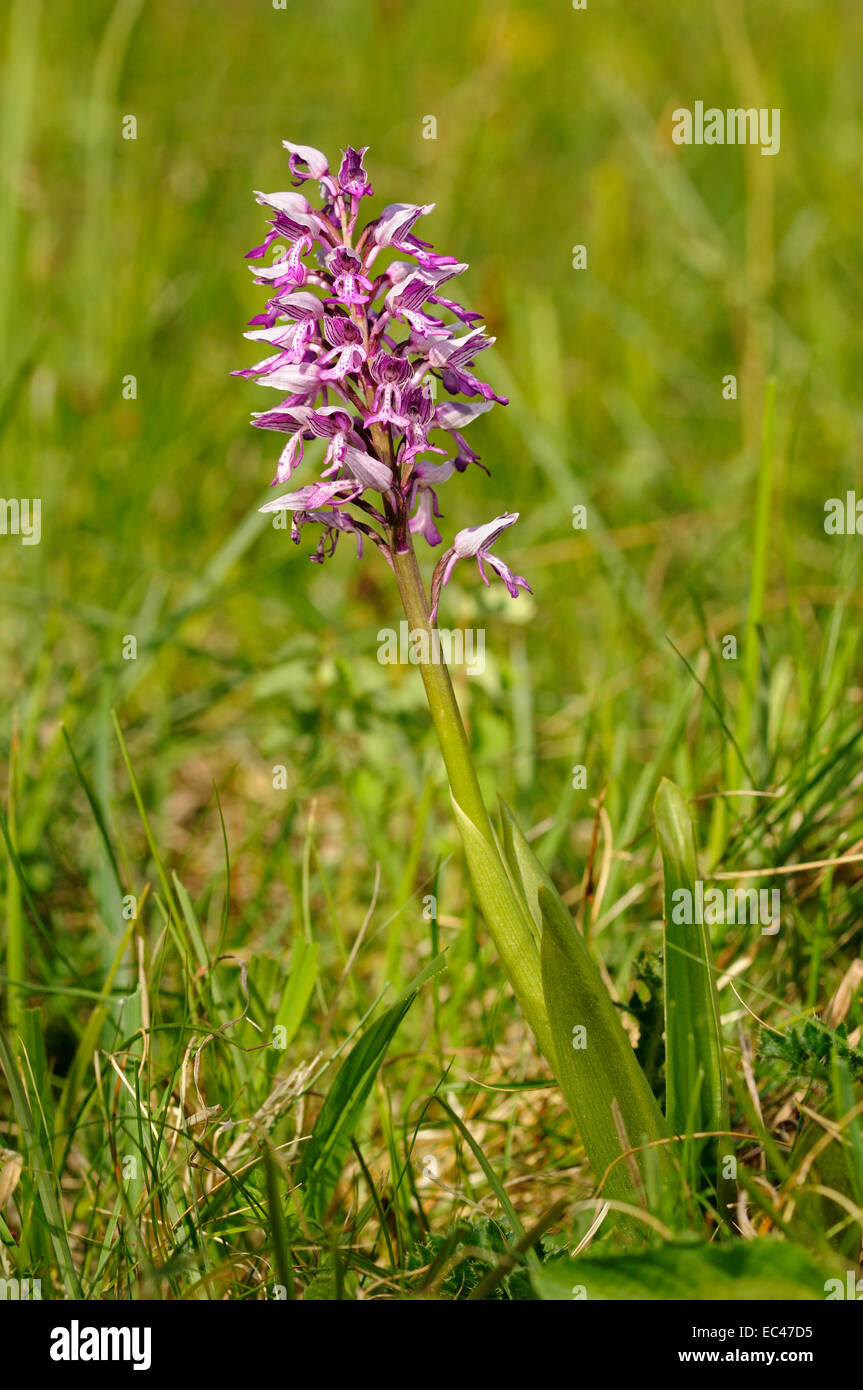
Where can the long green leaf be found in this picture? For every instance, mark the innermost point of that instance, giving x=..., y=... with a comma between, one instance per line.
x=324, y=1155
x=525, y=868
x=599, y=1074
x=298, y=990
x=695, y=1081
x=593, y=1075
x=509, y=920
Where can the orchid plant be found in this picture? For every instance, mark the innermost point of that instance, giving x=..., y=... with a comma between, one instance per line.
x=371, y=354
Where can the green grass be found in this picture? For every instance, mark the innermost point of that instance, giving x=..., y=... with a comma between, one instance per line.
x=168, y=898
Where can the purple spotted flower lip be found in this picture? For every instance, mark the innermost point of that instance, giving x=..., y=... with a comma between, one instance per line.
x=371, y=355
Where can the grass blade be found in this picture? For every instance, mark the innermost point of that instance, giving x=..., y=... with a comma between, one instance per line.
x=36, y=1147
x=696, y=1093
x=325, y=1154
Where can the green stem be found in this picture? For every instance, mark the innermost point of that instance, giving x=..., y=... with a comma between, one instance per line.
x=506, y=918
x=442, y=702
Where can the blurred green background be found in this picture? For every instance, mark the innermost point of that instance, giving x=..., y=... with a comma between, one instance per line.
x=125, y=258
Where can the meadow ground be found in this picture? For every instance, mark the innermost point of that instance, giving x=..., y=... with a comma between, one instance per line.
x=223, y=815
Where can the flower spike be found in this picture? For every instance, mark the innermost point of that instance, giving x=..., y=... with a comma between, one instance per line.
x=378, y=366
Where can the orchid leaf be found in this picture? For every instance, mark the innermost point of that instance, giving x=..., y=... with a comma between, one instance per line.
x=510, y=924
x=524, y=866
x=606, y=1090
